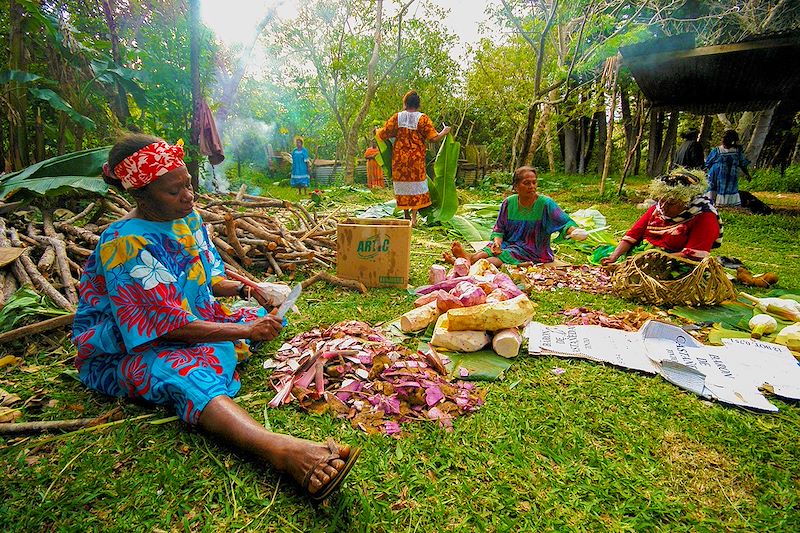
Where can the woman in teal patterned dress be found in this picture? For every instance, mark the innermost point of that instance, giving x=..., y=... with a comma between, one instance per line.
x=524, y=225
x=149, y=324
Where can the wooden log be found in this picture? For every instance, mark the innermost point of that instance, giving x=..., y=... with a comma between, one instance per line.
x=47, y=222
x=43, y=426
x=17, y=267
x=248, y=225
x=242, y=192
x=334, y=280
x=43, y=285
x=223, y=246
x=273, y=263
x=78, y=251
x=62, y=264
x=39, y=327
x=46, y=261
x=119, y=199
x=80, y=233
x=233, y=240
x=240, y=271
x=71, y=220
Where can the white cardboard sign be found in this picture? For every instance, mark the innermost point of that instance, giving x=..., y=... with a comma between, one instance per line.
x=733, y=373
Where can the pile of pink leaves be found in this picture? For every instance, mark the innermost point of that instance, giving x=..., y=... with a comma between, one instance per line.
x=355, y=372
x=540, y=278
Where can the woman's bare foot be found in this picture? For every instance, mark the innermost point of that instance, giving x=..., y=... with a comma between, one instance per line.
x=458, y=250
x=447, y=256
x=314, y=465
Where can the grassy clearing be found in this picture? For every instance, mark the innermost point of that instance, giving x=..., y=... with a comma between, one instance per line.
x=595, y=448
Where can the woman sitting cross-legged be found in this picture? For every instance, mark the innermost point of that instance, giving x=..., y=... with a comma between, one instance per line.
x=682, y=221
x=149, y=326
x=524, y=225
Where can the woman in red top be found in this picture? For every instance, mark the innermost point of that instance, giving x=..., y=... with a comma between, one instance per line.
x=682, y=221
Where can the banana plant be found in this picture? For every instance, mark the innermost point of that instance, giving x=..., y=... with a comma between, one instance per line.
x=75, y=171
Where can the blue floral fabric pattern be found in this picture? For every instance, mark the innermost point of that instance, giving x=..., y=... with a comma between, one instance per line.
x=144, y=280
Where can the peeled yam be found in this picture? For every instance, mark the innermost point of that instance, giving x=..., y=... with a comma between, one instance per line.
x=491, y=316
x=419, y=318
x=459, y=341
x=437, y=274
x=460, y=268
x=506, y=342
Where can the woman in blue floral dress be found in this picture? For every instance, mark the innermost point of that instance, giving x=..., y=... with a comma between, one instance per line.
x=149, y=325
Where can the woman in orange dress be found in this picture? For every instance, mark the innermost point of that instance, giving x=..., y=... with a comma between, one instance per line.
x=411, y=130
x=374, y=172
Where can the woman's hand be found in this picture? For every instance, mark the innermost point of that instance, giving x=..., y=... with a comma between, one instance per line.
x=496, y=247
x=608, y=260
x=265, y=328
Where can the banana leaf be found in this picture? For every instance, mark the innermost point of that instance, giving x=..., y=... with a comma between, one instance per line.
x=25, y=304
x=469, y=229
x=19, y=76
x=384, y=157
x=729, y=314
x=57, y=103
x=73, y=169
x=445, y=168
x=384, y=210
x=484, y=365
x=55, y=186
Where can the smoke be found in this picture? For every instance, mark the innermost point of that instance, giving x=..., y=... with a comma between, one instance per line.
x=245, y=142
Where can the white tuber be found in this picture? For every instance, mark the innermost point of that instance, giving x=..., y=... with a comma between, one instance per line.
x=419, y=317
x=506, y=342
x=761, y=325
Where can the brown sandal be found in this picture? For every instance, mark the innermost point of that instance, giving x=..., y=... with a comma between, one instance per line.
x=334, y=483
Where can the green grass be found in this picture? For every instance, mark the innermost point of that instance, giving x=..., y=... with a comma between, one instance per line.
x=594, y=449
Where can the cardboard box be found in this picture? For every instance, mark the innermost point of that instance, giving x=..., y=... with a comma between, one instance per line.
x=375, y=251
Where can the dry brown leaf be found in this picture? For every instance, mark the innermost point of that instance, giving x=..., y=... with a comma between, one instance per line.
x=8, y=398
x=8, y=414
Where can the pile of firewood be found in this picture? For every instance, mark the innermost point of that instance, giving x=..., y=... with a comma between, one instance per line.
x=46, y=247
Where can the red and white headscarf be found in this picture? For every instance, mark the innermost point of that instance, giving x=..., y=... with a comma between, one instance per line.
x=147, y=164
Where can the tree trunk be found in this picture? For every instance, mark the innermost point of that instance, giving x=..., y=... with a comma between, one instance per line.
x=524, y=155
x=662, y=162
x=705, y=132
x=609, y=137
x=541, y=126
x=570, y=148
x=352, y=138
x=654, y=142
x=39, y=131
x=599, y=121
x=17, y=94
x=193, y=165
x=627, y=119
x=760, y=132
x=551, y=158
x=119, y=103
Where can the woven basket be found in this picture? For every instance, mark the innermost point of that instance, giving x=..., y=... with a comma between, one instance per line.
x=648, y=278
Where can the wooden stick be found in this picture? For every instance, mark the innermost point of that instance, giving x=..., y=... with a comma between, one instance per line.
x=333, y=280
x=17, y=267
x=230, y=268
x=46, y=261
x=43, y=285
x=80, y=233
x=320, y=223
x=62, y=262
x=75, y=218
x=39, y=327
x=273, y=264
x=233, y=240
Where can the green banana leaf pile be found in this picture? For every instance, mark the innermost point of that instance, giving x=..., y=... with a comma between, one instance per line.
x=76, y=171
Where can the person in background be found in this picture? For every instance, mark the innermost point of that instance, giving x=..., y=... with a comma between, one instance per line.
x=301, y=168
x=149, y=325
x=690, y=153
x=723, y=164
x=683, y=221
x=411, y=129
x=524, y=226
x=374, y=171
